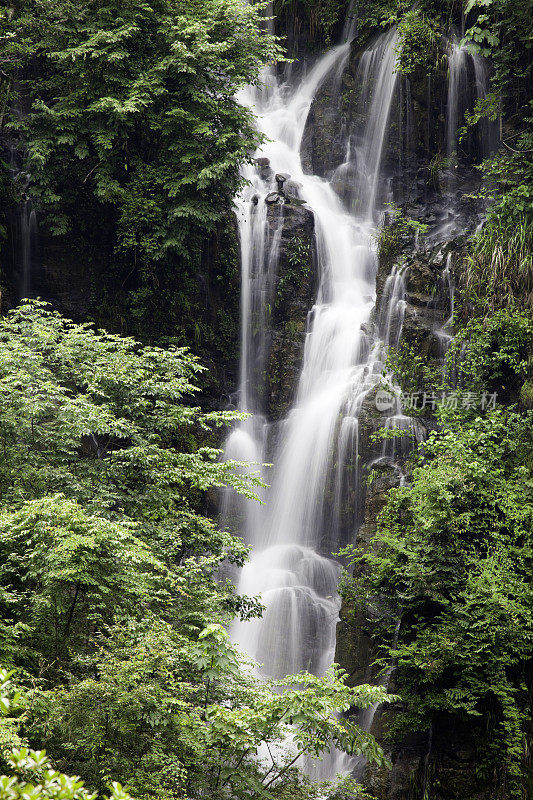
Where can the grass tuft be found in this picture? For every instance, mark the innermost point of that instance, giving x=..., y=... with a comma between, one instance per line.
x=499, y=272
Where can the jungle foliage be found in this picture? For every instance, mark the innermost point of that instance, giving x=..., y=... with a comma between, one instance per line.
x=32, y=774
x=121, y=123
x=133, y=105
x=451, y=563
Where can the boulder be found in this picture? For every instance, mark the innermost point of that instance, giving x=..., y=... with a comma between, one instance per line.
x=281, y=178
x=264, y=168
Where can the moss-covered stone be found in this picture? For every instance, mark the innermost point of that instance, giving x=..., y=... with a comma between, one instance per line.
x=294, y=293
x=526, y=395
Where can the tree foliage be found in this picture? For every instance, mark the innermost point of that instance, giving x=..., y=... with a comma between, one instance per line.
x=32, y=775
x=452, y=561
x=122, y=126
x=134, y=108
x=418, y=44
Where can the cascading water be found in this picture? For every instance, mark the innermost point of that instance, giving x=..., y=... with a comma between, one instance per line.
x=295, y=532
x=350, y=26
x=468, y=82
x=27, y=230
x=444, y=334
x=457, y=91
x=360, y=172
x=28, y=238
x=393, y=306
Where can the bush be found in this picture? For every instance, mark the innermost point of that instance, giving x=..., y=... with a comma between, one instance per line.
x=450, y=565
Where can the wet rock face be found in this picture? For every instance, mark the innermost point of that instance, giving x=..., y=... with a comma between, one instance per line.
x=442, y=759
x=437, y=763
x=355, y=650
x=335, y=114
x=323, y=144
x=294, y=292
x=416, y=130
x=302, y=30
x=432, y=264
x=426, y=307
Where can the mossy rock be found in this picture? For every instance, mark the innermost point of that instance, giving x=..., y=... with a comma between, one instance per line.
x=294, y=293
x=526, y=395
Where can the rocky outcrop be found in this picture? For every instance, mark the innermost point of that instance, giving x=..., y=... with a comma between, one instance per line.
x=435, y=763
x=294, y=292
x=356, y=650
x=415, y=146
x=323, y=146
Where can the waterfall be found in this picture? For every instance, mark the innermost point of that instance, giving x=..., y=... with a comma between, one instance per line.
x=297, y=529
x=350, y=26
x=370, y=157
x=28, y=240
x=393, y=306
x=26, y=228
x=457, y=91
x=444, y=334
x=489, y=129
x=468, y=82
x=376, y=79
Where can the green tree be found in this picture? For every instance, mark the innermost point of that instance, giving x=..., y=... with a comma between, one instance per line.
x=451, y=561
x=111, y=602
x=69, y=573
x=103, y=422
x=32, y=775
x=134, y=108
x=93, y=415
x=182, y=718
x=128, y=137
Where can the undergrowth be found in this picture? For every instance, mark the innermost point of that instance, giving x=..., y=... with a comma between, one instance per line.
x=499, y=271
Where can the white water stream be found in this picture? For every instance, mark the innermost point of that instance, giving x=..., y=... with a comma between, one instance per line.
x=468, y=82
x=315, y=481
x=292, y=534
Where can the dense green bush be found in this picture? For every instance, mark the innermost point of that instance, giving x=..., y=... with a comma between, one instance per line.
x=152, y=131
x=418, y=47
x=451, y=564
x=499, y=270
x=124, y=116
x=494, y=353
